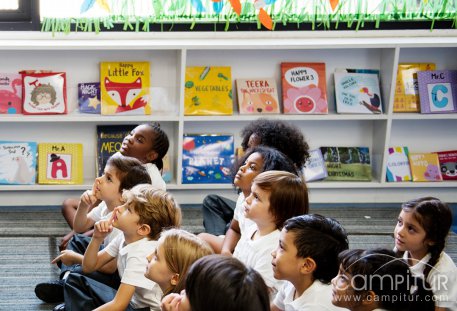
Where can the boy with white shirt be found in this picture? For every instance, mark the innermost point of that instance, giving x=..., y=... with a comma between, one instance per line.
x=307, y=257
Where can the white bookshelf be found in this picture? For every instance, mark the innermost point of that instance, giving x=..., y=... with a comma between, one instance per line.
x=249, y=55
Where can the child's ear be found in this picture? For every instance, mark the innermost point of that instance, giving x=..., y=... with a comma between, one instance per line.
x=308, y=265
x=151, y=156
x=174, y=279
x=144, y=230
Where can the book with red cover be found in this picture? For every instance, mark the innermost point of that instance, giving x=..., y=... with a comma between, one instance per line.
x=448, y=164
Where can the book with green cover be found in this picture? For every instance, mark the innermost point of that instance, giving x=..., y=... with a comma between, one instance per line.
x=347, y=163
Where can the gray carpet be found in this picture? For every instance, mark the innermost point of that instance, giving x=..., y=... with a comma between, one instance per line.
x=29, y=237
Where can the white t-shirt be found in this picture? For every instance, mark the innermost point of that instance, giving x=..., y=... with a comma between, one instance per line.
x=100, y=212
x=131, y=265
x=257, y=254
x=442, y=279
x=156, y=178
x=238, y=215
x=317, y=297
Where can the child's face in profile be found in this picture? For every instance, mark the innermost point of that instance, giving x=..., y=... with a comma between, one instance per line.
x=138, y=144
x=157, y=269
x=257, y=205
x=286, y=264
x=107, y=186
x=343, y=295
x=126, y=219
x=410, y=236
x=248, y=171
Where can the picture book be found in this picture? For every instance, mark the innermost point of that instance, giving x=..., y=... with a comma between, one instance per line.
x=406, y=97
x=315, y=168
x=257, y=96
x=125, y=88
x=10, y=93
x=438, y=91
x=60, y=163
x=166, y=171
x=448, y=164
x=44, y=92
x=208, y=91
x=425, y=167
x=109, y=141
x=207, y=159
x=304, y=88
x=358, y=70
x=398, y=164
x=357, y=93
x=89, y=97
x=347, y=163
x=18, y=162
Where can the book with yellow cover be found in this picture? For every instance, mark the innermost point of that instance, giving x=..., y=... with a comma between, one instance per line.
x=125, y=88
x=425, y=167
x=208, y=91
x=60, y=163
x=406, y=88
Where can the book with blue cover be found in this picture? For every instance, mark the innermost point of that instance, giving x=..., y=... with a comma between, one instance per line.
x=207, y=159
x=18, y=162
x=89, y=97
x=315, y=168
x=347, y=163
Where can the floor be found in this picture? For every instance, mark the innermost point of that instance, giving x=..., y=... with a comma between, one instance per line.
x=29, y=237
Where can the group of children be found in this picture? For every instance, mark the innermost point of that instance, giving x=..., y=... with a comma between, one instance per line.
x=273, y=256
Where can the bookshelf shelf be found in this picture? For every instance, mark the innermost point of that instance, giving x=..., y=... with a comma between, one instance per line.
x=249, y=54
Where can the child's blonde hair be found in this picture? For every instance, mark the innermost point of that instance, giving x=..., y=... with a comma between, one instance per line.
x=181, y=249
x=156, y=208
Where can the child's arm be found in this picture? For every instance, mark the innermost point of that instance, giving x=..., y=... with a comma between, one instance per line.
x=121, y=300
x=81, y=222
x=231, y=238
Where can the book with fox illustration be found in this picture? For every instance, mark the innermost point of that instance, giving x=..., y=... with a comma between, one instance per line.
x=257, y=96
x=18, y=162
x=125, y=88
x=208, y=91
x=60, y=163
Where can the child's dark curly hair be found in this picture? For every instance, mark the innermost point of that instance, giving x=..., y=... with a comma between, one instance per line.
x=278, y=134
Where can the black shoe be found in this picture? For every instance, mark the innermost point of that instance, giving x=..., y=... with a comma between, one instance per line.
x=60, y=307
x=50, y=292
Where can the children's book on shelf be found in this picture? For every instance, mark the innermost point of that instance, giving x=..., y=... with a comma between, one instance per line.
x=315, y=168
x=89, y=97
x=208, y=91
x=357, y=93
x=10, y=93
x=60, y=163
x=125, y=88
x=438, y=91
x=207, y=159
x=166, y=171
x=398, y=164
x=448, y=164
x=347, y=163
x=109, y=141
x=304, y=88
x=257, y=96
x=18, y=162
x=425, y=167
x=44, y=92
x=406, y=97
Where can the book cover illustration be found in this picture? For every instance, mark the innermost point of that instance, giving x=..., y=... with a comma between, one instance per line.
x=406, y=97
x=109, y=141
x=207, y=159
x=257, y=96
x=17, y=162
x=357, y=93
x=347, y=163
x=60, y=163
x=315, y=168
x=208, y=91
x=448, y=164
x=425, y=167
x=10, y=93
x=44, y=92
x=125, y=88
x=398, y=165
x=166, y=171
x=304, y=88
x=438, y=91
x=89, y=97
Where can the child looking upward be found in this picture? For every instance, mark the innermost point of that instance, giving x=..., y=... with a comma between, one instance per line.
x=307, y=257
x=420, y=234
x=141, y=218
x=149, y=144
x=275, y=197
x=175, y=253
x=120, y=173
x=220, y=283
